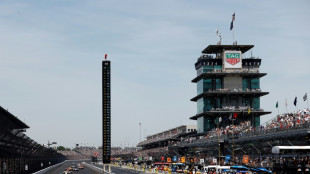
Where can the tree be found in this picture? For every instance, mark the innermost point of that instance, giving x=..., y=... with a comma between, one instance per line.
x=61, y=148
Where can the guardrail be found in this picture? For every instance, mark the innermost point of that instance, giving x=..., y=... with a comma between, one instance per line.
x=48, y=168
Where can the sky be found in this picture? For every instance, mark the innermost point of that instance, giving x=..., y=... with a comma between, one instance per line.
x=51, y=54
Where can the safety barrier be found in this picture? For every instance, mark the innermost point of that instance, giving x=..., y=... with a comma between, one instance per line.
x=56, y=165
x=48, y=168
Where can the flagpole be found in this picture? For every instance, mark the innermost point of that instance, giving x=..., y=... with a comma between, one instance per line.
x=233, y=36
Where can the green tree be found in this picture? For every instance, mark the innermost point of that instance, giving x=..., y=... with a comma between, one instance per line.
x=61, y=148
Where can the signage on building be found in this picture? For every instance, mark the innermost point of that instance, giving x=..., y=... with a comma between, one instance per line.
x=162, y=158
x=183, y=159
x=175, y=158
x=227, y=158
x=245, y=159
x=232, y=59
x=106, y=112
x=214, y=161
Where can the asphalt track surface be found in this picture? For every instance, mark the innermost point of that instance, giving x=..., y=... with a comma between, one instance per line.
x=87, y=170
x=59, y=169
x=118, y=170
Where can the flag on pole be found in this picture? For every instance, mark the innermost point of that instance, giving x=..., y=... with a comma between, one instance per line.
x=277, y=105
x=249, y=111
x=232, y=21
x=105, y=56
x=305, y=97
x=295, y=101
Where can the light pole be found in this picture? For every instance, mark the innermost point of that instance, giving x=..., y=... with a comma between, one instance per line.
x=49, y=144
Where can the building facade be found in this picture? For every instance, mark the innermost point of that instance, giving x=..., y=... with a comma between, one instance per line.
x=228, y=87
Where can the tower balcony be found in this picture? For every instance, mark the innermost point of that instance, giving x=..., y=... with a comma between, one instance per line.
x=229, y=92
x=219, y=73
x=224, y=112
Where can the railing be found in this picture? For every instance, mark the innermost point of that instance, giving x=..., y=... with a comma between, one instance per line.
x=224, y=71
x=235, y=108
x=234, y=90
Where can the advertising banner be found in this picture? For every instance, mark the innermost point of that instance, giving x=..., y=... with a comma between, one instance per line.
x=175, y=158
x=227, y=158
x=183, y=159
x=232, y=59
x=214, y=160
x=162, y=158
x=245, y=159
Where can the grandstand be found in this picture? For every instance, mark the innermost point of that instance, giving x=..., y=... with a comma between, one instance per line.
x=168, y=135
x=82, y=153
x=289, y=129
x=228, y=119
x=18, y=152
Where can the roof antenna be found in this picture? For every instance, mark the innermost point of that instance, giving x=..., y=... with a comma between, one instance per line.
x=219, y=34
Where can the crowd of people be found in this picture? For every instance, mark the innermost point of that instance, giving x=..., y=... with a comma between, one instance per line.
x=236, y=90
x=279, y=123
x=233, y=108
x=289, y=120
x=121, y=151
x=282, y=121
x=82, y=152
x=71, y=155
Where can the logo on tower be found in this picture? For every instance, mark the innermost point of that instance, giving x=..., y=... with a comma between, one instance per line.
x=232, y=59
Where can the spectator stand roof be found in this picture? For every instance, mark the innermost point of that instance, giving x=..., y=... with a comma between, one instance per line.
x=9, y=122
x=13, y=142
